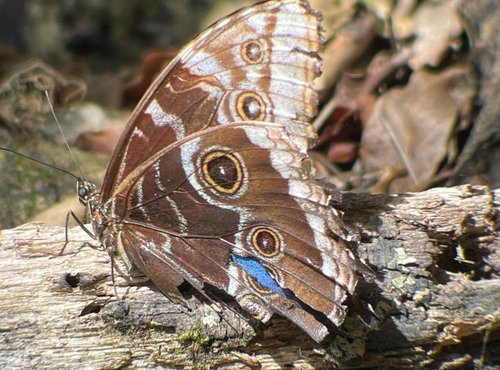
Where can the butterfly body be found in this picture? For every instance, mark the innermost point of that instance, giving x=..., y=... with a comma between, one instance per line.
x=210, y=182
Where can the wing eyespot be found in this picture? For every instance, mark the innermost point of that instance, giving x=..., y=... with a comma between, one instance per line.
x=222, y=171
x=252, y=52
x=251, y=107
x=267, y=242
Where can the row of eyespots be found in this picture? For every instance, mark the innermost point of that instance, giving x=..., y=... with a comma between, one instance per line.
x=223, y=171
x=249, y=105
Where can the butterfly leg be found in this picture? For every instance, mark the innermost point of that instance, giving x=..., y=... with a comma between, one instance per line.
x=66, y=227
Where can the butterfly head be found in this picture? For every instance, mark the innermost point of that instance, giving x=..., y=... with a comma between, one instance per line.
x=89, y=197
x=87, y=191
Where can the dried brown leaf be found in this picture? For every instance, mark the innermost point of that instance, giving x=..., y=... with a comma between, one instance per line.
x=411, y=127
x=381, y=8
x=152, y=64
x=346, y=48
x=402, y=20
x=437, y=29
x=336, y=14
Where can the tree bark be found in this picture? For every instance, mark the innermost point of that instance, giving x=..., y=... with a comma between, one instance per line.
x=437, y=295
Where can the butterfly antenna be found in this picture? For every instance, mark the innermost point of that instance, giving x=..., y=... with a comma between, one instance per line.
x=73, y=157
x=39, y=161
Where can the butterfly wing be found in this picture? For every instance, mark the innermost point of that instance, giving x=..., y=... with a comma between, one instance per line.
x=256, y=64
x=201, y=196
x=237, y=207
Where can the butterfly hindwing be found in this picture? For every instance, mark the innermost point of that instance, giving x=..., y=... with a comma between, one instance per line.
x=220, y=231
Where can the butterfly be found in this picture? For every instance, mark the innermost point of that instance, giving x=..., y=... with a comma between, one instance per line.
x=210, y=182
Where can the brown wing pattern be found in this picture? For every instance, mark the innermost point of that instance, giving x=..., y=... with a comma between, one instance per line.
x=211, y=184
x=266, y=209
x=257, y=64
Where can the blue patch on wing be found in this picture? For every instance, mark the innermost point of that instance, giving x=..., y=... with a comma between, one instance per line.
x=255, y=269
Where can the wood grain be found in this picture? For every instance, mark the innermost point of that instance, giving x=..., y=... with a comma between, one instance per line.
x=436, y=254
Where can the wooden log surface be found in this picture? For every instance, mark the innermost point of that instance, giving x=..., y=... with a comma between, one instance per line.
x=437, y=257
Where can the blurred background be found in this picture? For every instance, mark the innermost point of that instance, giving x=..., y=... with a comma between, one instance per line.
x=409, y=93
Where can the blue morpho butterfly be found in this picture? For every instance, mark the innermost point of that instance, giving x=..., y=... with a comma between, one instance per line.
x=210, y=183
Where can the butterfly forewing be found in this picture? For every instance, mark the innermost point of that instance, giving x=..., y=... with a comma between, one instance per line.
x=257, y=64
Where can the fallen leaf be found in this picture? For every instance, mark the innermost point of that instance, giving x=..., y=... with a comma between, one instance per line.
x=347, y=47
x=437, y=29
x=403, y=23
x=151, y=66
x=411, y=127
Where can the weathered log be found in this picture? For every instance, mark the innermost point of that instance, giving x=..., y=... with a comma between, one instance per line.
x=437, y=294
